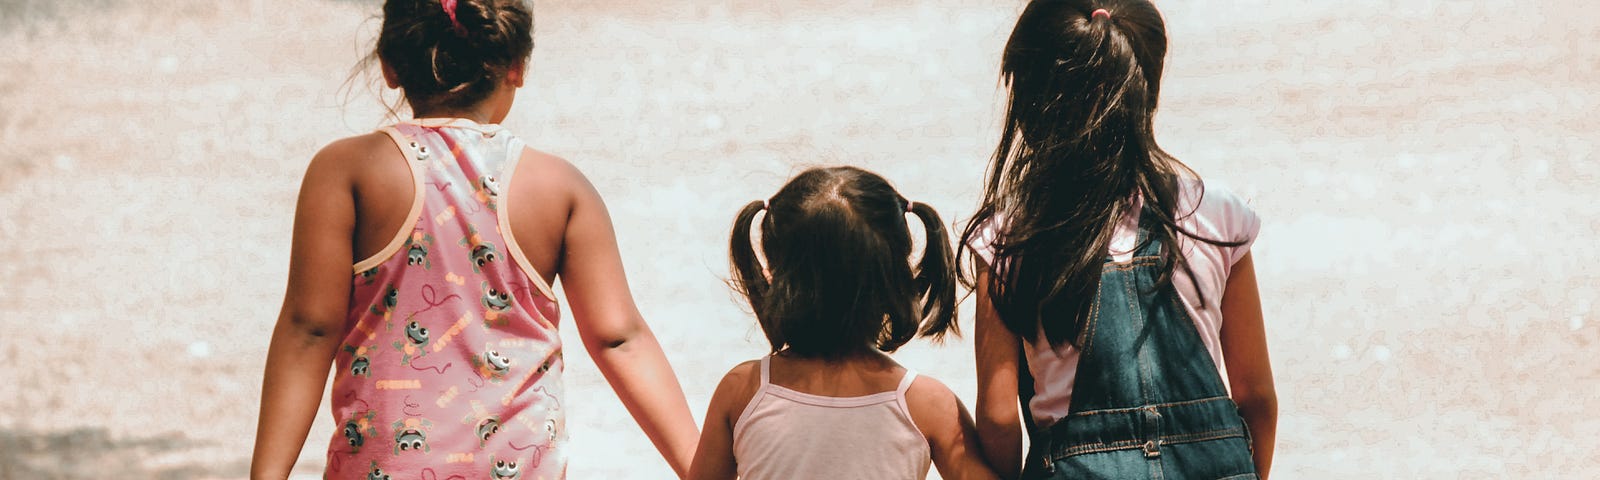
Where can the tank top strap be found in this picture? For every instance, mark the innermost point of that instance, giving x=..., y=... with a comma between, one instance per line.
x=905, y=383
x=409, y=150
x=503, y=178
x=900, y=401
x=766, y=371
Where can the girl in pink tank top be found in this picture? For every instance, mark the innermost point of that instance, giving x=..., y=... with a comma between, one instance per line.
x=837, y=291
x=416, y=274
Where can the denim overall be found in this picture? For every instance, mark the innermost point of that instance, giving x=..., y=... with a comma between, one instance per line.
x=1148, y=401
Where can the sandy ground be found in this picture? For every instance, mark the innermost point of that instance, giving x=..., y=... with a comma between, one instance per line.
x=1426, y=170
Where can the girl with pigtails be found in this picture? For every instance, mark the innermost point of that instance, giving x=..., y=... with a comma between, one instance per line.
x=421, y=272
x=1114, y=289
x=835, y=289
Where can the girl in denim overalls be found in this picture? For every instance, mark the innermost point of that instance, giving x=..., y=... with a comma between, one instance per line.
x=1112, y=285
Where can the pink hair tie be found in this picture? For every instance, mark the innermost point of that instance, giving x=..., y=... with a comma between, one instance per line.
x=909, y=205
x=1100, y=12
x=450, y=9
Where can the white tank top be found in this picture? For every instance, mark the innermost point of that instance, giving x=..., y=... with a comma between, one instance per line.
x=786, y=434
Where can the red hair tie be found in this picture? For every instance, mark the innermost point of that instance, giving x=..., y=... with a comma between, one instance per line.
x=1097, y=13
x=450, y=9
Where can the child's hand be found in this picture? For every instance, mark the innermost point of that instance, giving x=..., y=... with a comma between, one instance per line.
x=613, y=330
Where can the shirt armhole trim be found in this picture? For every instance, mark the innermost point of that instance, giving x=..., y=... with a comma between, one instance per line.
x=417, y=178
x=514, y=151
x=750, y=407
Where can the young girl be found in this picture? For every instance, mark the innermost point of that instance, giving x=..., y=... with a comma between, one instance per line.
x=838, y=290
x=1112, y=286
x=443, y=335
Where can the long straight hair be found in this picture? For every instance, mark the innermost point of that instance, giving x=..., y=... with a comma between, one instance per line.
x=1077, y=148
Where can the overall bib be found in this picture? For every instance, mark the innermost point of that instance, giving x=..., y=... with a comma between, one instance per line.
x=1148, y=401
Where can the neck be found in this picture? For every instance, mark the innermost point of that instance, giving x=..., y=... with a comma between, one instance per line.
x=480, y=114
x=863, y=356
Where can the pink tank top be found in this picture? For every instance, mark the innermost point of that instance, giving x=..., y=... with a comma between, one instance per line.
x=451, y=363
x=786, y=434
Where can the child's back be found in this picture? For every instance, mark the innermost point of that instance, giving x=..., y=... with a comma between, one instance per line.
x=817, y=420
x=449, y=290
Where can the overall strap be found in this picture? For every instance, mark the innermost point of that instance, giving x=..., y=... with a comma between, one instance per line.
x=1147, y=246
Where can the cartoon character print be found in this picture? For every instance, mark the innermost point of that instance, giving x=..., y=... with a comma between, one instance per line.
x=487, y=428
x=417, y=250
x=484, y=425
x=376, y=473
x=412, y=342
x=371, y=275
x=503, y=469
x=486, y=191
x=411, y=434
x=361, y=365
x=482, y=253
x=495, y=302
x=491, y=365
x=549, y=363
x=421, y=151
x=358, y=429
x=391, y=298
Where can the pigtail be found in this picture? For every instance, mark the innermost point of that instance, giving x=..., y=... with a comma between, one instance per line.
x=749, y=278
x=935, y=281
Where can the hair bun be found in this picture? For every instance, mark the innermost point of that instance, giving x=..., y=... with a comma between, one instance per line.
x=453, y=53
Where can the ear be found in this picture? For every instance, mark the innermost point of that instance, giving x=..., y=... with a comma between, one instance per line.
x=517, y=74
x=389, y=77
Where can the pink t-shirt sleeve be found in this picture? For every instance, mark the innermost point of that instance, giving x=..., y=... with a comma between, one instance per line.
x=1229, y=217
x=982, y=242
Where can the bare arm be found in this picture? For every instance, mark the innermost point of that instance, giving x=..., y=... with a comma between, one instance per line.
x=952, y=438
x=999, y=419
x=615, y=334
x=1244, y=350
x=313, y=315
x=713, y=460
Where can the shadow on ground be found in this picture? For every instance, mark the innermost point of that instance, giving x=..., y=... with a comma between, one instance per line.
x=93, y=452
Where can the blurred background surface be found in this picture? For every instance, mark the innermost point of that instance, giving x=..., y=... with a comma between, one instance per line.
x=1426, y=170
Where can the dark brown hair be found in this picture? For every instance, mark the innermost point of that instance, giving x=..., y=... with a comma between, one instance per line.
x=442, y=65
x=839, y=279
x=1078, y=144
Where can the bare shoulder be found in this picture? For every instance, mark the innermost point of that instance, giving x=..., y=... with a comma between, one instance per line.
x=357, y=157
x=931, y=397
x=744, y=377
x=934, y=408
x=552, y=173
x=736, y=389
x=350, y=152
